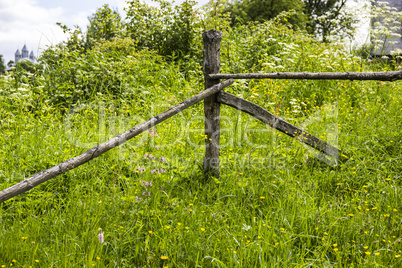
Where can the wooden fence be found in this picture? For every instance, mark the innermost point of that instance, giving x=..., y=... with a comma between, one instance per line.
x=213, y=97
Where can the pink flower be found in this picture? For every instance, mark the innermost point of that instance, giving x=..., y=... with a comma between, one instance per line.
x=100, y=236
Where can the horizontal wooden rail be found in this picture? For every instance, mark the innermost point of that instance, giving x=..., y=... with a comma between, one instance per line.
x=381, y=76
x=96, y=151
x=277, y=123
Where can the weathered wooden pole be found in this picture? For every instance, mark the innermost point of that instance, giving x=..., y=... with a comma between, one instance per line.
x=211, y=64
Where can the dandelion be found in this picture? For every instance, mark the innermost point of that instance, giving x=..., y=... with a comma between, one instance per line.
x=368, y=253
x=262, y=197
x=100, y=236
x=377, y=253
x=282, y=229
x=335, y=249
x=164, y=257
x=351, y=215
x=203, y=229
x=150, y=232
x=335, y=245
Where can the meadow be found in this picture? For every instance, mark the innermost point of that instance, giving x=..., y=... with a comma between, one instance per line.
x=277, y=203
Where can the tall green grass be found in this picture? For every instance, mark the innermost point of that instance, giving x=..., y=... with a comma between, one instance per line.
x=275, y=205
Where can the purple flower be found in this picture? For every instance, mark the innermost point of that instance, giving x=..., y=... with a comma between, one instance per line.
x=152, y=132
x=137, y=199
x=163, y=159
x=100, y=236
x=153, y=171
x=140, y=169
x=156, y=148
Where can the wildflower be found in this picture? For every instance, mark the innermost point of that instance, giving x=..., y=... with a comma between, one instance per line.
x=335, y=245
x=138, y=199
x=397, y=256
x=377, y=253
x=100, y=236
x=140, y=169
x=368, y=253
x=164, y=257
x=163, y=159
x=179, y=223
x=351, y=215
x=262, y=197
x=203, y=229
x=282, y=229
x=335, y=249
x=150, y=232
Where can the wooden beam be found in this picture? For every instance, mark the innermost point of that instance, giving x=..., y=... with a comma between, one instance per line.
x=211, y=64
x=381, y=76
x=277, y=123
x=96, y=151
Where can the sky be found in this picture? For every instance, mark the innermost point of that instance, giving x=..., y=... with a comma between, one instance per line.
x=33, y=22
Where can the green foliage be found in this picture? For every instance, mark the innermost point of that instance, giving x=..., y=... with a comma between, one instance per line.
x=169, y=30
x=242, y=11
x=112, y=67
x=104, y=24
x=275, y=205
x=2, y=65
x=328, y=17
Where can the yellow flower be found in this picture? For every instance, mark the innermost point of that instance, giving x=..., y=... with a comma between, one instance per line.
x=351, y=215
x=262, y=197
x=377, y=253
x=36, y=260
x=150, y=232
x=282, y=229
x=164, y=258
x=179, y=223
x=365, y=247
x=335, y=249
x=335, y=245
x=368, y=253
x=203, y=229
x=396, y=256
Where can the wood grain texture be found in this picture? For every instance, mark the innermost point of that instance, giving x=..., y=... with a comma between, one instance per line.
x=96, y=151
x=381, y=76
x=211, y=64
x=277, y=123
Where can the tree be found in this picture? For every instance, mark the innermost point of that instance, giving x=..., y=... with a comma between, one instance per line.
x=2, y=66
x=326, y=17
x=242, y=11
x=105, y=24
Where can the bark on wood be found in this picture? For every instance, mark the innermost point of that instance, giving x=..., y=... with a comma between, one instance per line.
x=381, y=76
x=96, y=151
x=277, y=123
x=211, y=64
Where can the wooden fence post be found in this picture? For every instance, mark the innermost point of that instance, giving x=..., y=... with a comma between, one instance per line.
x=211, y=64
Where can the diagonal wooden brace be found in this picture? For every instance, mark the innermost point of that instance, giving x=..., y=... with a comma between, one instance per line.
x=277, y=123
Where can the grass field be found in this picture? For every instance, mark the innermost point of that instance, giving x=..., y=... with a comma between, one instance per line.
x=275, y=205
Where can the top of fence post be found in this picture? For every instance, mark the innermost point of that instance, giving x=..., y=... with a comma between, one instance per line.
x=211, y=64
